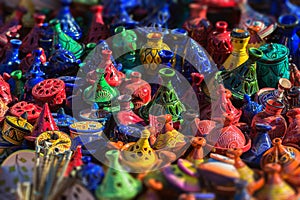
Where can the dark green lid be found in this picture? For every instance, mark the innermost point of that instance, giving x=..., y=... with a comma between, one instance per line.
x=273, y=53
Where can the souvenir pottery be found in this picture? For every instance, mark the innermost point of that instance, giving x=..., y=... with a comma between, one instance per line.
x=219, y=44
x=196, y=156
x=34, y=75
x=139, y=90
x=271, y=116
x=69, y=25
x=261, y=143
x=289, y=38
x=250, y=109
x=11, y=61
x=293, y=97
x=66, y=42
x=89, y=128
x=17, y=84
x=241, y=190
x=126, y=116
x=273, y=65
x=33, y=111
x=98, y=29
x=100, y=92
x=265, y=94
x=59, y=141
x=239, y=42
x=149, y=52
x=180, y=179
x=15, y=128
x=50, y=91
x=46, y=41
x=139, y=156
x=91, y=175
x=31, y=40
x=116, y=181
x=203, y=127
x=223, y=105
x=228, y=137
x=5, y=94
x=62, y=120
x=95, y=114
x=242, y=79
x=29, y=59
x=124, y=47
x=44, y=122
x=62, y=62
x=122, y=18
x=255, y=39
x=286, y=156
x=275, y=188
x=76, y=161
x=127, y=134
x=166, y=97
x=292, y=134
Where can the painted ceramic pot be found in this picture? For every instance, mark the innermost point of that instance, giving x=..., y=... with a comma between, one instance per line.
x=60, y=141
x=255, y=39
x=95, y=114
x=149, y=52
x=219, y=44
x=292, y=134
x=33, y=111
x=275, y=187
x=78, y=129
x=286, y=156
x=51, y=91
x=294, y=97
x=271, y=116
x=242, y=79
x=239, y=42
x=63, y=121
x=139, y=90
x=294, y=75
x=3, y=110
x=11, y=61
x=196, y=156
x=273, y=65
x=15, y=128
x=127, y=134
x=28, y=60
x=250, y=109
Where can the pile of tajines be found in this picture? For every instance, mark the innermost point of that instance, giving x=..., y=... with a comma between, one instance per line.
x=136, y=100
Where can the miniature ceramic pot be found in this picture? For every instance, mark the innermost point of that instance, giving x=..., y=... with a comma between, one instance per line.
x=273, y=65
x=33, y=111
x=63, y=121
x=85, y=128
x=15, y=128
x=60, y=141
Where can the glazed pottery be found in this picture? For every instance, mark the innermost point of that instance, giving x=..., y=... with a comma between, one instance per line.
x=33, y=111
x=100, y=92
x=273, y=65
x=261, y=143
x=271, y=116
x=11, y=61
x=15, y=128
x=95, y=114
x=180, y=179
x=122, y=18
x=265, y=94
x=286, y=156
x=294, y=75
x=28, y=60
x=127, y=134
x=68, y=24
x=292, y=134
x=196, y=156
x=46, y=38
x=139, y=90
x=98, y=29
x=242, y=79
x=17, y=84
x=31, y=40
x=116, y=181
x=45, y=122
x=126, y=116
x=34, y=75
x=3, y=109
x=275, y=188
x=62, y=63
x=169, y=140
x=149, y=52
x=75, y=161
x=91, y=174
x=66, y=41
x=250, y=108
x=166, y=97
x=289, y=38
x=255, y=39
x=239, y=42
x=241, y=191
x=51, y=91
x=294, y=97
x=5, y=94
x=62, y=120
x=219, y=44
x=86, y=128
x=59, y=141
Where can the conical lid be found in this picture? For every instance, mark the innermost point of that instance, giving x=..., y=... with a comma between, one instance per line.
x=45, y=122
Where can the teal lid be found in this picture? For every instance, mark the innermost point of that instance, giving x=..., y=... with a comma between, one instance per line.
x=273, y=53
